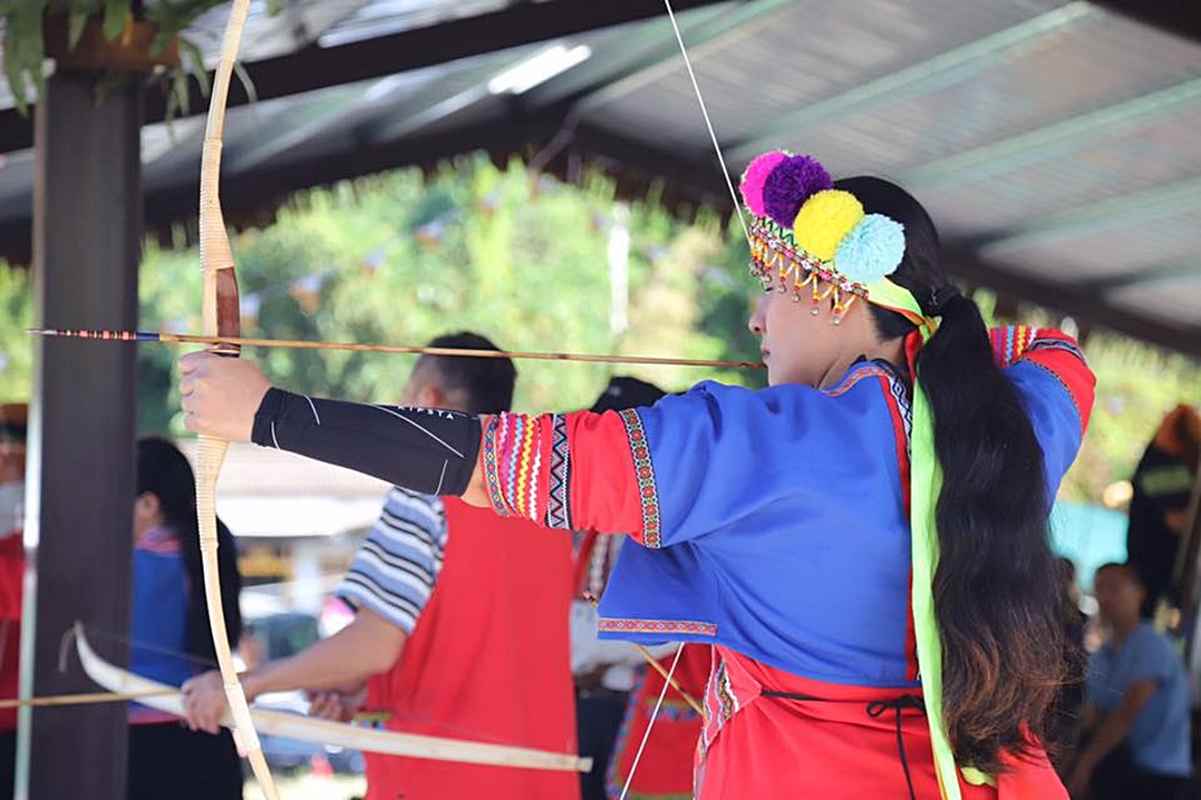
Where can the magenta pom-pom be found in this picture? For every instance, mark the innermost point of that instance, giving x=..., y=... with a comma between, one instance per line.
x=790, y=184
x=755, y=177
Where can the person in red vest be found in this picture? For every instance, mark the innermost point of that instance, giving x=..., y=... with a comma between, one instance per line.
x=460, y=630
x=616, y=692
x=12, y=572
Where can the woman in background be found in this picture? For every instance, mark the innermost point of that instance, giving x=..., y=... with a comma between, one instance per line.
x=170, y=632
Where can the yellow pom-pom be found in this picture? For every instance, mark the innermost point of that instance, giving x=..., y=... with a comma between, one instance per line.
x=824, y=220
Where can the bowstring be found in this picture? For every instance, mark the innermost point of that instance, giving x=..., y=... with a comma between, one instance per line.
x=69, y=637
x=651, y=723
x=725, y=171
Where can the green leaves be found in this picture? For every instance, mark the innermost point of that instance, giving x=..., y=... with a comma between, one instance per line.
x=193, y=60
x=78, y=12
x=24, y=47
x=24, y=50
x=116, y=14
x=16, y=347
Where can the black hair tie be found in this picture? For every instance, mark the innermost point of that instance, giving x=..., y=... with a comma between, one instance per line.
x=939, y=299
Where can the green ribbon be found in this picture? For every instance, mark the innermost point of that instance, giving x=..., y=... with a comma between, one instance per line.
x=925, y=482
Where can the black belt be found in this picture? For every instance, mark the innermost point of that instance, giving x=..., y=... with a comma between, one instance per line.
x=874, y=709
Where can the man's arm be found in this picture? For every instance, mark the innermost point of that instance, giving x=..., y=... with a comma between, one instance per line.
x=368, y=645
x=1090, y=716
x=1113, y=728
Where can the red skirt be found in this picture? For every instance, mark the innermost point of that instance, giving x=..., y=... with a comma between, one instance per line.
x=770, y=747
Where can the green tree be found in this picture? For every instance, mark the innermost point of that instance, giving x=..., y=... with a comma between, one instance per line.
x=16, y=348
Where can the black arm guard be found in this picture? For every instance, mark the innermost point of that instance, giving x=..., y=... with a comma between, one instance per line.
x=426, y=450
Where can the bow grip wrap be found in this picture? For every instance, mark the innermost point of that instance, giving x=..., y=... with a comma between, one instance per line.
x=228, y=306
x=222, y=306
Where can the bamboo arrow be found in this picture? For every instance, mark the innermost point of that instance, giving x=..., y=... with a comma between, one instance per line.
x=298, y=344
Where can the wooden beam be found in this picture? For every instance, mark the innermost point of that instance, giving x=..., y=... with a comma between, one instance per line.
x=695, y=180
x=1182, y=17
x=248, y=197
x=316, y=67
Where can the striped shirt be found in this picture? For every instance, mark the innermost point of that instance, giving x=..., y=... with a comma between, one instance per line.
x=394, y=570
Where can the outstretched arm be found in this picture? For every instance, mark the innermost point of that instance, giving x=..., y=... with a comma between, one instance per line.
x=368, y=645
x=688, y=466
x=431, y=451
x=426, y=450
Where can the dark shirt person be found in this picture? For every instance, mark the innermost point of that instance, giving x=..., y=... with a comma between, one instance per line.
x=1163, y=484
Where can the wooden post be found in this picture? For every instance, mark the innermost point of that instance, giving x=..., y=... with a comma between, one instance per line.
x=81, y=481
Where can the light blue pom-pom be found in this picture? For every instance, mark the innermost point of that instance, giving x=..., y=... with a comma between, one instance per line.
x=873, y=248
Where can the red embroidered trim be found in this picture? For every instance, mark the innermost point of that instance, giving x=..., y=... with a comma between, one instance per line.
x=656, y=626
x=898, y=399
x=491, y=469
x=644, y=470
x=558, y=501
x=1010, y=343
x=513, y=464
x=529, y=462
x=857, y=374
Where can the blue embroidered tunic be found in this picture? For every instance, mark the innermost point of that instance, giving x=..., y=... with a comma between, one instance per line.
x=773, y=522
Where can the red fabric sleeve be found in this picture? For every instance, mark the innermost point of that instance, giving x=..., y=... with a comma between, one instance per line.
x=604, y=493
x=1054, y=351
x=1059, y=354
x=516, y=449
x=571, y=471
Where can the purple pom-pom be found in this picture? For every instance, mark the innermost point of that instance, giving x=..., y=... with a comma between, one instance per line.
x=790, y=184
x=756, y=176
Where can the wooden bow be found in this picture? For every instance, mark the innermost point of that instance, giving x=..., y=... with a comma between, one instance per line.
x=221, y=314
x=221, y=320
x=294, y=726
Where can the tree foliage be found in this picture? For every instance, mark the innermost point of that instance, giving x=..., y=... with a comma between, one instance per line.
x=400, y=259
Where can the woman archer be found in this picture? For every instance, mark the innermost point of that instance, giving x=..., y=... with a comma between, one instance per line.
x=864, y=542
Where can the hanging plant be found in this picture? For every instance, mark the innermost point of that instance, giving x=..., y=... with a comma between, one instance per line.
x=117, y=37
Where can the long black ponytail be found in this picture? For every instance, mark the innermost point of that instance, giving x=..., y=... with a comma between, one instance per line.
x=996, y=590
x=165, y=472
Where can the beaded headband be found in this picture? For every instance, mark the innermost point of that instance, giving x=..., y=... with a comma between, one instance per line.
x=805, y=231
